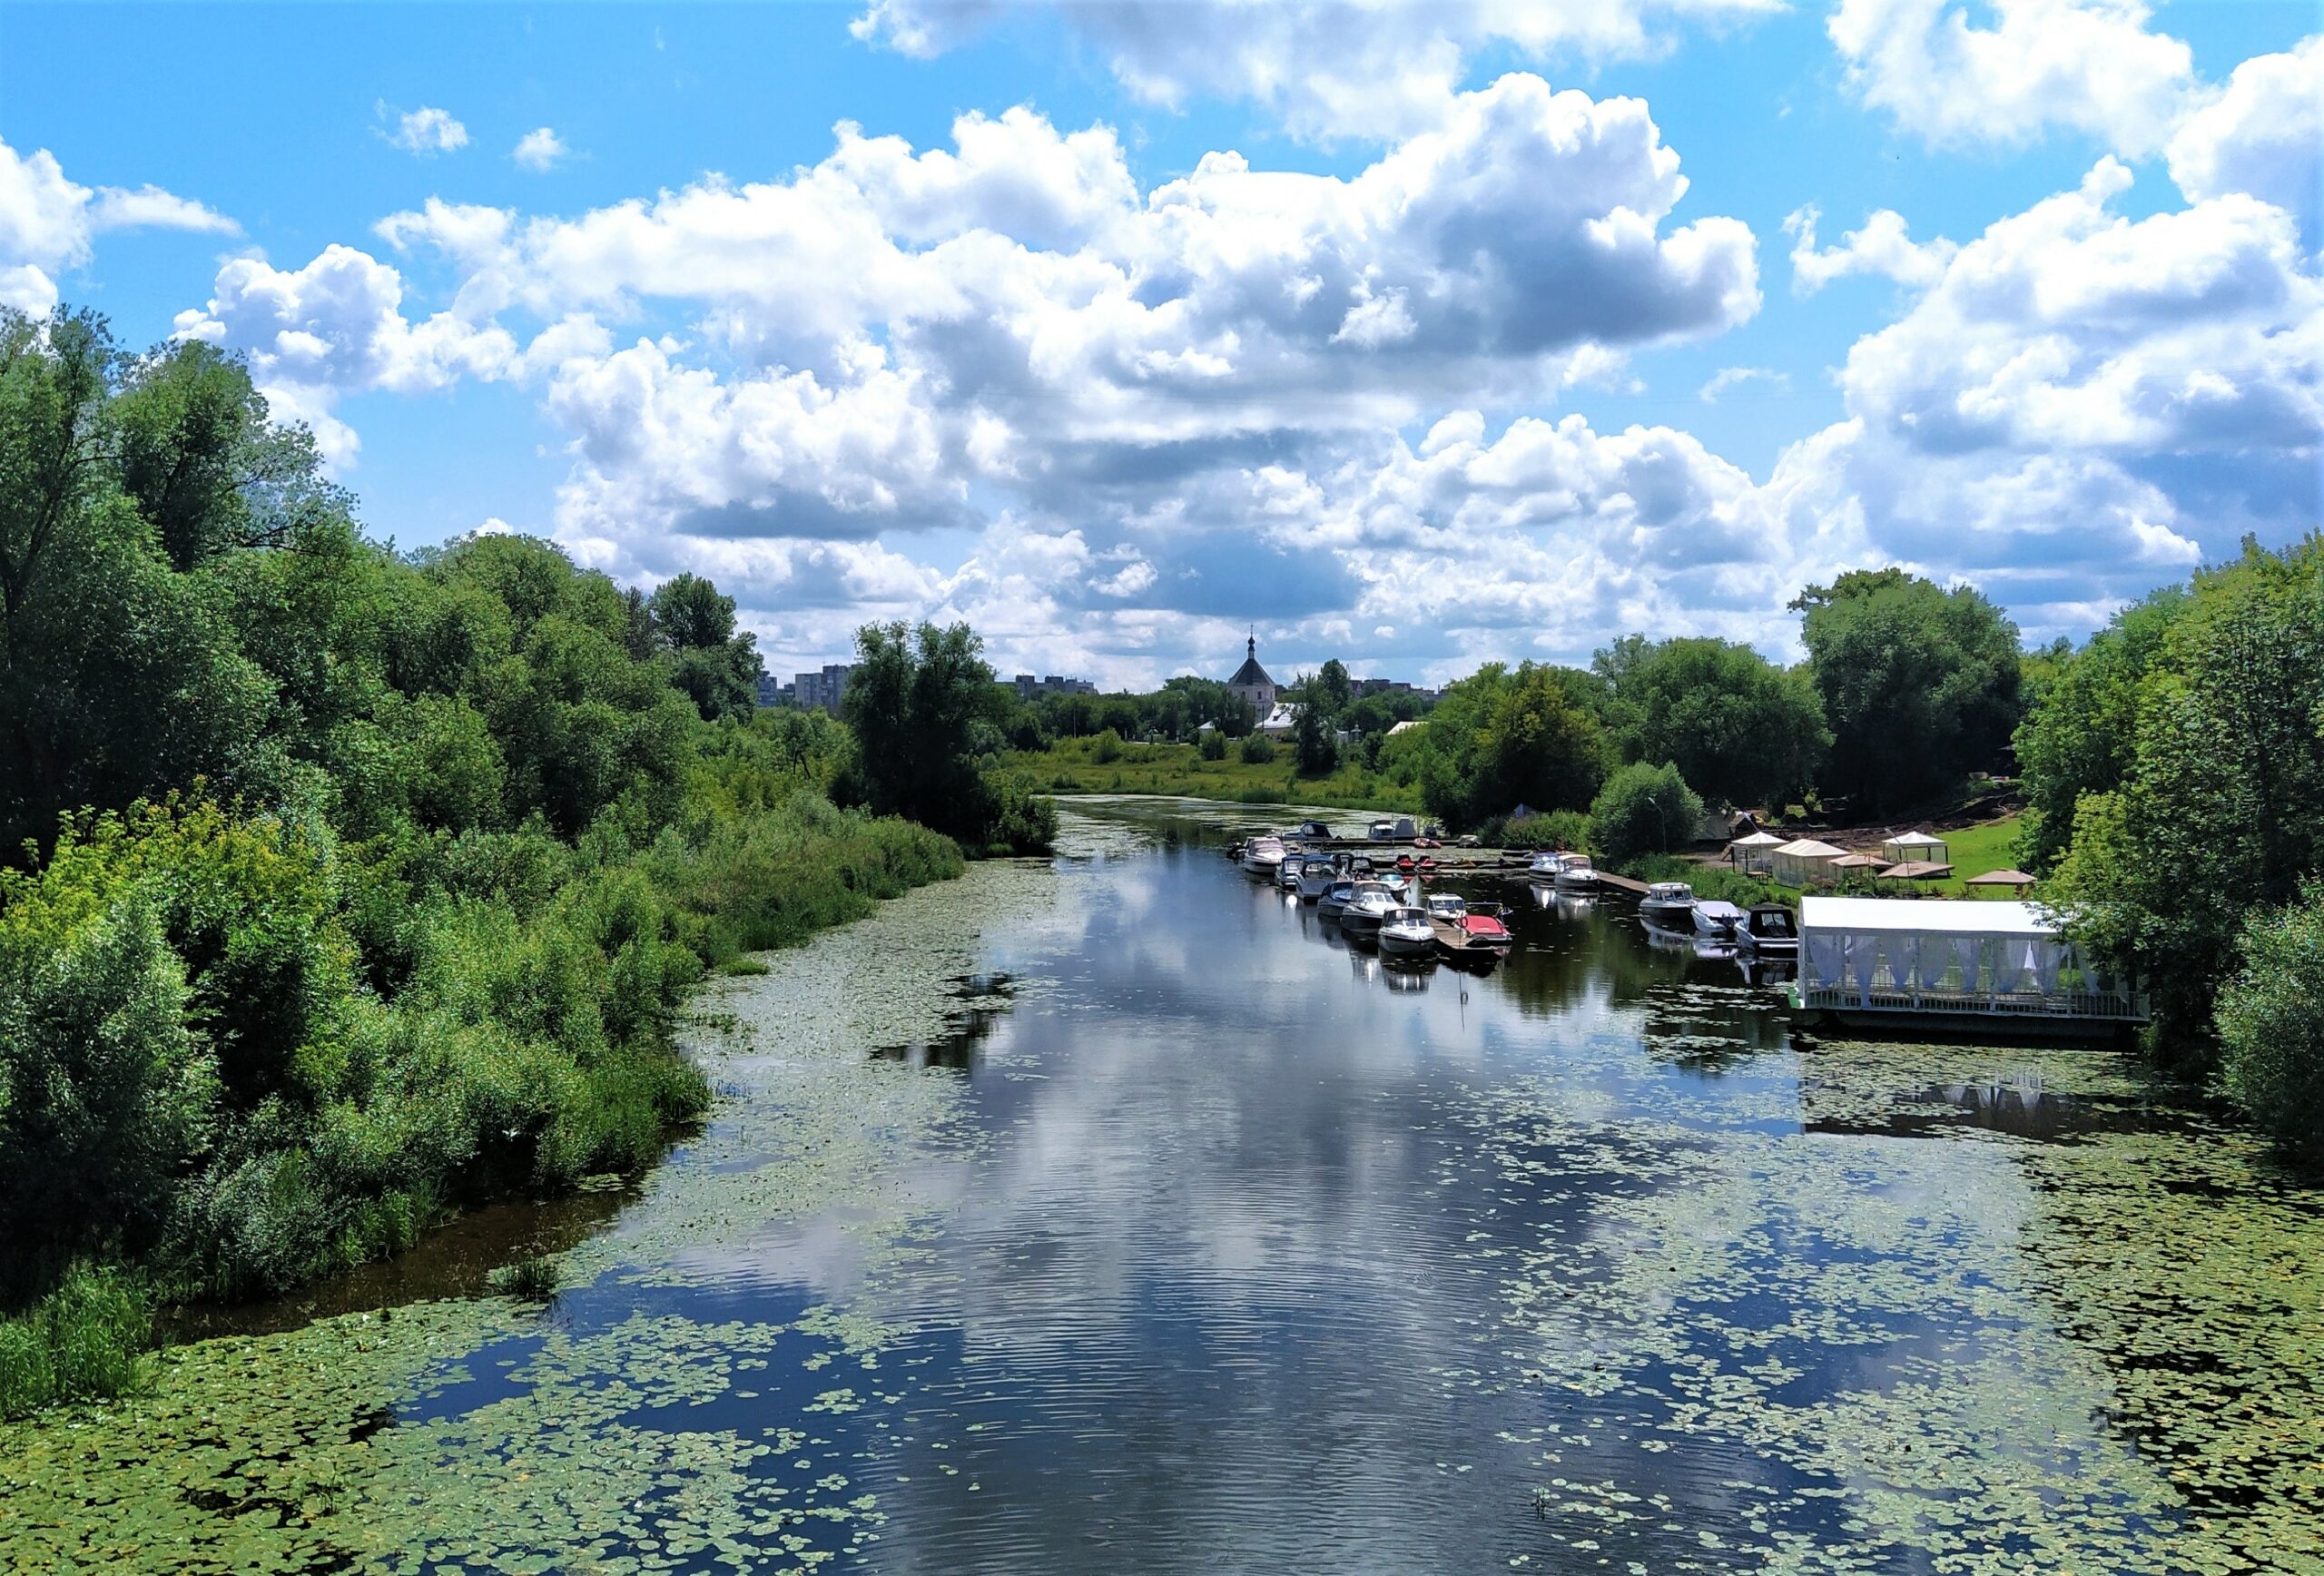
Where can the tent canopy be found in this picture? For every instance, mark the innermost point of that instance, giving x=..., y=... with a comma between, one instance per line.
x=1858, y=862
x=1757, y=839
x=1916, y=840
x=1927, y=916
x=2000, y=878
x=1917, y=870
x=1808, y=848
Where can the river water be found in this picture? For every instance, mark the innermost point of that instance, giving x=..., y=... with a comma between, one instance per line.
x=1113, y=1213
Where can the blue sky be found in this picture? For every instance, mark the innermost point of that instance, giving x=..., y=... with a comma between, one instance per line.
x=1400, y=387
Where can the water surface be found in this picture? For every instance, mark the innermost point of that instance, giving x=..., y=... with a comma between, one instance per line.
x=1115, y=1213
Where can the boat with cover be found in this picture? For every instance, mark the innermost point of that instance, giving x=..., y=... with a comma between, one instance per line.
x=1317, y=874
x=1770, y=929
x=1466, y=934
x=1262, y=855
x=1368, y=905
x=1716, y=920
x=1336, y=896
x=1666, y=905
x=1575, y=873
x=1405, y=932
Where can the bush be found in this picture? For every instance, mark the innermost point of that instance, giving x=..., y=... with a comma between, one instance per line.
x=1258, y=749
x=2271, y=1023
x=1559, y=829
x=1644, y=810
x=1214, y=745
x=1106, y=748
x=85, y=1341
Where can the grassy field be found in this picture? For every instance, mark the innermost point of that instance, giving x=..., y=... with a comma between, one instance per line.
x=1974, y=850
x=1070, y=768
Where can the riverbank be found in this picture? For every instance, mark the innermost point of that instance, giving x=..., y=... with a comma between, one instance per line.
x=529, y=1047
x=1072, y=767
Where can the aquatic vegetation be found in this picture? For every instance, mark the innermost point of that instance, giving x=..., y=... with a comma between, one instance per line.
x=1626, y=1279
x=533, y=1277
x=84, y=1341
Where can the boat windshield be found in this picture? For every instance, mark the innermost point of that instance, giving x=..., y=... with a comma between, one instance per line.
x=1670, y=889
x=1451, y=908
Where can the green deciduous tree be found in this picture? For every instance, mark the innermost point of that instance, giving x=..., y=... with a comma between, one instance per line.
x=1738, y=727
x=1644, y=809
x=2271, y=1021
x=1919, y=685
x=912, y=700
x=2218, y=807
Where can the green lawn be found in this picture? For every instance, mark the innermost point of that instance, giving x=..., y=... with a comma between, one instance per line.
x=1973, y=850
x=1180, y=769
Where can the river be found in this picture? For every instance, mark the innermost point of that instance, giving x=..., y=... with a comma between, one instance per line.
x=1112, y=1213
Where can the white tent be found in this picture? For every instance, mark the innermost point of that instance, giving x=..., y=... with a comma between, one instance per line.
x=1864, y=947
x=1797, y=863
x=1751, y=853
x=1913, y=847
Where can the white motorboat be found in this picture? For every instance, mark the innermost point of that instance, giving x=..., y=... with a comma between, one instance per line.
x=1770, y=930
x=1367, y=906
x=1575, y=874
x=1315, y=876
x=1262, y=855
x=1405, y=932
x=1668, y=906
x=1336, y=897
x=1716, y=920
x=1542, y=868
x=1287, y=874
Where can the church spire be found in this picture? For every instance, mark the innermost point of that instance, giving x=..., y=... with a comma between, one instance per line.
x=1251, y=647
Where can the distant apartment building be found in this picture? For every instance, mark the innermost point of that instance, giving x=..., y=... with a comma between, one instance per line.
x=771, y=694
x=1029, y=689
x=1360, y=688
x=822, y=691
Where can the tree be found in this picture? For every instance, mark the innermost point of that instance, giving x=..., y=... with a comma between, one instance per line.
x=2218, y=810
x=1313, y=745
x=1644, y=809
x=1919, y=685
x=1503, y=737
x=717, y=668
x=1258, y=750
x=2271, y=1021
x=1735, y=725
x=913, y=701
x=1214, y=745
x=2078, y=736
x=1331, y=689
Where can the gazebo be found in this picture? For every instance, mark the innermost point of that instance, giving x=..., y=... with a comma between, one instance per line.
x=1914, y=848
x=1797, y=863
x=2017, y=878
x=1917, y=869
x=1743, y=851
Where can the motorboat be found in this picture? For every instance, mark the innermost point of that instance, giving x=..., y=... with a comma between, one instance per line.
x=1315, y=875
x=1287, y=874
x=1336, y=897
x=1262, y=855
x=1770, y=929
x=1314, y=830
x=1543, y=868
x=1716, y=920
x=1468, y=934
x=1405, y=932
x=1381, y=831
x=1668, y=905
x=1367, y=906
x=1575, y=873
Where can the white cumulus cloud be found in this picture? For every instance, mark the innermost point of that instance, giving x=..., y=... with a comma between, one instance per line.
x=48, y=224
x=540, y=150
x=1884, y=247
x=425, y=131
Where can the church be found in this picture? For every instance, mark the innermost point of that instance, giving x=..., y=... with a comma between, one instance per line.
x=1251, y=681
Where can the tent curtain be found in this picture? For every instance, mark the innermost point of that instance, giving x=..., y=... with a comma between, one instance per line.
x=1827, y=960
x=1965, y=957
x=2048, y=958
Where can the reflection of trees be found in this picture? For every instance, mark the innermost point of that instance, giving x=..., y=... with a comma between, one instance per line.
x=1570, y=952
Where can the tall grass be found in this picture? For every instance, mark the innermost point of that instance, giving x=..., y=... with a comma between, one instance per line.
x=85, y=1341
